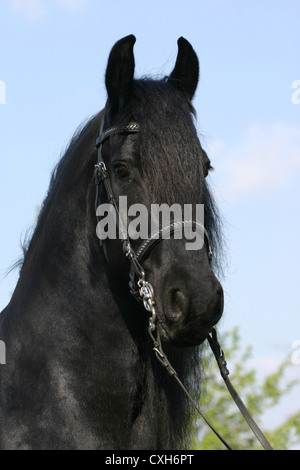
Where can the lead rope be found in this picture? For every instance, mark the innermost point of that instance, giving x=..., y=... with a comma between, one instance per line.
x=146, y=294
x=221, y=361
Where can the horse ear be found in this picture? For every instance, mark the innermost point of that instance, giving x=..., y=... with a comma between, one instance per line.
x=185, y=75
x=119, y=73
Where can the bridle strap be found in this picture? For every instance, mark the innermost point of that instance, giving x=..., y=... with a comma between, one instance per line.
x=221, y=361
x=101, y=173
x=162, y=358
x=131, y=128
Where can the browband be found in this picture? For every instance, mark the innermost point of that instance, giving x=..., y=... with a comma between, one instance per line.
x=131, y=128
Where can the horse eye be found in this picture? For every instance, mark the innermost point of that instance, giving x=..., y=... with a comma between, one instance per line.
x=121, y=171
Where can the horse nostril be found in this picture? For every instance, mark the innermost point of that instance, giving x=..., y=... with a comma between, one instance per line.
x=176, y=304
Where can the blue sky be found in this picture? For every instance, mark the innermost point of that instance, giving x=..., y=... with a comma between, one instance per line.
x=53, y=56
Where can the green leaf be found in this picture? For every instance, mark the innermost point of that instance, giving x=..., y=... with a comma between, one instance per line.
x=218, y=406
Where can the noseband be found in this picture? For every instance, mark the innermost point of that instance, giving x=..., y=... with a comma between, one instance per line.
x=143, y=291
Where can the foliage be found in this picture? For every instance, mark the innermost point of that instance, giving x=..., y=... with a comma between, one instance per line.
x=259, y=396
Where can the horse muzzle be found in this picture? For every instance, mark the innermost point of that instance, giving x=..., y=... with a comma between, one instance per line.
x=187, y=310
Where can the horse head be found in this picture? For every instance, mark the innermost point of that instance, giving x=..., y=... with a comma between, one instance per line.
x=160, y=170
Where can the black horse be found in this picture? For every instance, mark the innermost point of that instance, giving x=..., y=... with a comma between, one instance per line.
x=80, y=370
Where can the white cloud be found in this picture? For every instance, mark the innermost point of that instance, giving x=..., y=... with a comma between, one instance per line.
x=71, y=4
x=35, y=10
x=265, y=160
x=32, y=9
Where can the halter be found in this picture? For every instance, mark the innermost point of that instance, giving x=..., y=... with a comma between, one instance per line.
x=143, y=291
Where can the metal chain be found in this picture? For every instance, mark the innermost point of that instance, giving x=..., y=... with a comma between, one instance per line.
x=146, y=293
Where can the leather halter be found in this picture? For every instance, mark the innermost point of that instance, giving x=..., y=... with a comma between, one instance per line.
x=143, y=291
